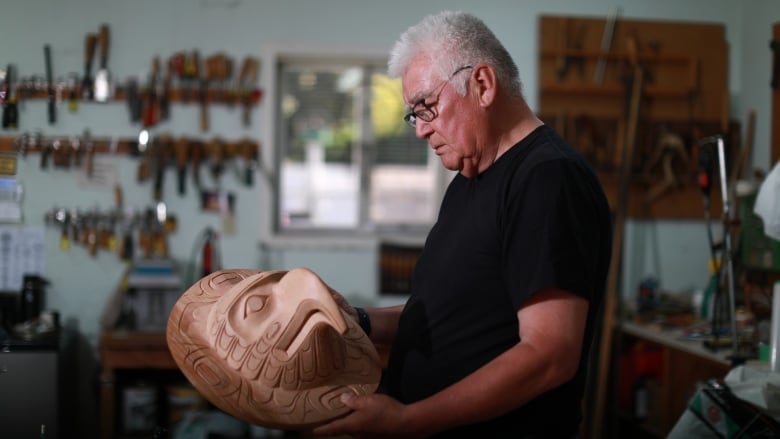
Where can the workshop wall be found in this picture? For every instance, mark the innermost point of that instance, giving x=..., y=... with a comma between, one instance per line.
x=141, y=29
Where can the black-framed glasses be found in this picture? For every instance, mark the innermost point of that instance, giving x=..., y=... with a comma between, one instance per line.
x=427, y=113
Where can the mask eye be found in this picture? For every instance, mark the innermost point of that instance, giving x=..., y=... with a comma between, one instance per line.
x=254, y=304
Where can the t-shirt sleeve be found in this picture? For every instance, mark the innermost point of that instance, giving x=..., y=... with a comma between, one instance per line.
x=551, y=232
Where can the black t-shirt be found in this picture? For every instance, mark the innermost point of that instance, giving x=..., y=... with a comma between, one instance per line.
x=537, y=218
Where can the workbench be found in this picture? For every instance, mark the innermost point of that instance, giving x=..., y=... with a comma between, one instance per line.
x=123, y=351
x=670, y=367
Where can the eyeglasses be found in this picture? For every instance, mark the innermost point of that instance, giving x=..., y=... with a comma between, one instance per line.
x=426, y=113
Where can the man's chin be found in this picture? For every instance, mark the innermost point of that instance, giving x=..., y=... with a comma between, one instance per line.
x=450, y=163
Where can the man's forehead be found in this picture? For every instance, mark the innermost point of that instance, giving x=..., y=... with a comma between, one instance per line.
x=417, y=81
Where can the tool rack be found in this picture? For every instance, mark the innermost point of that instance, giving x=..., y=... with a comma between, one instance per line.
x=685, y=93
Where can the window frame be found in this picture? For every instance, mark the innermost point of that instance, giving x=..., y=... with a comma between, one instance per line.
x=270, y=233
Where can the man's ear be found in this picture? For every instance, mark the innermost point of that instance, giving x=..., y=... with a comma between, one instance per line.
x=485, y=84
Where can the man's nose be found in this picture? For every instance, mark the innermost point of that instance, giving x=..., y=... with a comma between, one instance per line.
x=422, y=129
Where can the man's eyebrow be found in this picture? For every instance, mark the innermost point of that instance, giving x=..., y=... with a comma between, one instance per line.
x=416, y=100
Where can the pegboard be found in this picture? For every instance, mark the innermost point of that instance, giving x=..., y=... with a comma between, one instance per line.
x=585, y=88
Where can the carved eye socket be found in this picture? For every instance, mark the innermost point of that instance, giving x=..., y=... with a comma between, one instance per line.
x=254, y=304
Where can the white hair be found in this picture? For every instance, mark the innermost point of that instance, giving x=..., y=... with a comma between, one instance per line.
x=451, y=40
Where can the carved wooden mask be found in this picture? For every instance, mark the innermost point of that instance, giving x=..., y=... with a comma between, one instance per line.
x=271, y=347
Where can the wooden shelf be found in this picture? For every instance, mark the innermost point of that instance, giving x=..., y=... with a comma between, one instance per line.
x=618, y=56
x=682, y=202
x=615, y=90
x=214, y=95
x=100, y=145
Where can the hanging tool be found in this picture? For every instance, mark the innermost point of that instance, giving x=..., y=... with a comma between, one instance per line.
x=164, y=93
x=216, y=151
x=73, y=96
x=64, y=233
x=572, y=47
x=10, y=110
x=125, y=227
x=176, y=70
x=87, y=81
x=61, y=154
x=151, y=110
x=78, y=151
x=218, y=69
x=249, y=152
x=196, y=155
x=190, y=74
x=246, y=80
x=45, y=153
x=89, y=150
x=670, y=146
x=89, y=234
x=162, y=147
x=606, y=44
x=181, y=148
x=134, y=101
x=103, y=78
x=52, y=108
x=203, y=82
x=146, y=150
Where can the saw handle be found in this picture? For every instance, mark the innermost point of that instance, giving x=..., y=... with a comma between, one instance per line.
x=89, y=51
x=103, y=40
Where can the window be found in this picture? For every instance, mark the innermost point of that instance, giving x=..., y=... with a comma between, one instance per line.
x=345, y=158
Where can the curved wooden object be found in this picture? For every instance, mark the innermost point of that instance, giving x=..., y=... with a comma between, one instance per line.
x=271, y=347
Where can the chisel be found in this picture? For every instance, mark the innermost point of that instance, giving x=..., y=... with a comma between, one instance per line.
x=50, y=85
x=10, y=111
x=103, y=77
x=89, y=55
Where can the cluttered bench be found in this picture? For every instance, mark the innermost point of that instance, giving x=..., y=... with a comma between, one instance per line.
x=662, y=370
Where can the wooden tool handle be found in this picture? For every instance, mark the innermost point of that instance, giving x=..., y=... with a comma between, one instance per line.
x=89, y=48
x=103, y=41
x=248, y=73
x=251, y=75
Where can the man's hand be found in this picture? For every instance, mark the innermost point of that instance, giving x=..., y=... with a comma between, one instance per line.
x=372, y=416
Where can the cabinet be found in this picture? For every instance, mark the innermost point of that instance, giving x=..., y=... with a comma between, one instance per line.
x=29, y=392
x=658, y=374
x=127, y=351
x=130, y=357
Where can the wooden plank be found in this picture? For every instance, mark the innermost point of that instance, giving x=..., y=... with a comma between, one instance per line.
x=775, y=155
x=613, y=279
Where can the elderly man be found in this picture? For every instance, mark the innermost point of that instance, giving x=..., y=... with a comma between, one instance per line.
x=494, y=339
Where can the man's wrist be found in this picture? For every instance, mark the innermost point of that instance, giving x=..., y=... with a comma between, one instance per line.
x=363, y=320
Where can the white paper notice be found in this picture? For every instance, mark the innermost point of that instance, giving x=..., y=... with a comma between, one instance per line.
x=22, y=251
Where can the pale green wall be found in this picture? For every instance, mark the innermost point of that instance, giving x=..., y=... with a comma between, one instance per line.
x=675, y=251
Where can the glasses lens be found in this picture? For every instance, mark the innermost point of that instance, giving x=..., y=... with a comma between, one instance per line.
x=411, y=119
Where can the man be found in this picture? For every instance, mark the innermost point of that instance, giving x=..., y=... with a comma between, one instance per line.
x=494, y=339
